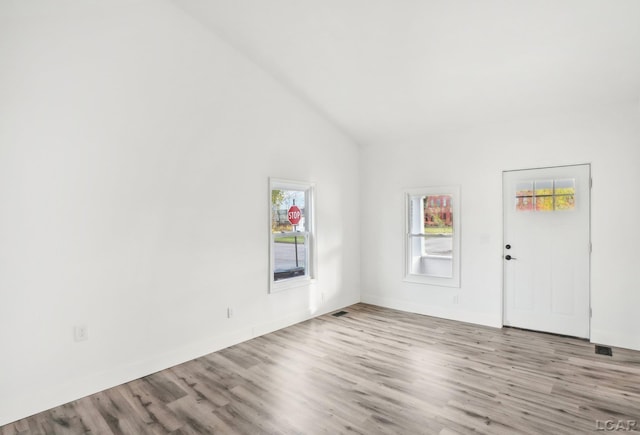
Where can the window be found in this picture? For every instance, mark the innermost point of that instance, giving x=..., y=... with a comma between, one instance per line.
x=292, y=240
x=433, y=236
x=546, y=195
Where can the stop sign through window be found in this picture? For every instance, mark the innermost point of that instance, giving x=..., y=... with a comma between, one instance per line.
x=294, y=215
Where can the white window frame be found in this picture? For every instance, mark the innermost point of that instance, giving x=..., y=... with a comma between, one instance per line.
x=409, y=276
x=309, y=233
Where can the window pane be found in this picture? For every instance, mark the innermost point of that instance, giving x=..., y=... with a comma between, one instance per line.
x=524, y=196
x=289, y=254
x=565, y=194
x=438, y=214
x=565, y=187
x=544, y=195
x=431, y=244
x=437, y=258
x=544, y=203
x=281, y=202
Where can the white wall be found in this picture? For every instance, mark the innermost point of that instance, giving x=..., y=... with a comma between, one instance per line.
x=135, y=151
x=606, y=137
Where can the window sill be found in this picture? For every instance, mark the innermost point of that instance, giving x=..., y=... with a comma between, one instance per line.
x=291, y=283
x=432, y=280
x=438, y=256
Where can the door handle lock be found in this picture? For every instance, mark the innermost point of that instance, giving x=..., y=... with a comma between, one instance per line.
x=509, y=257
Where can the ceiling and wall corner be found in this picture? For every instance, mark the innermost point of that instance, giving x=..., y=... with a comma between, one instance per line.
x=393, y=71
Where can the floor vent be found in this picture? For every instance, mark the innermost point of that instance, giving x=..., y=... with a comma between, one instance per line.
x=604, y=350
x=340, y=313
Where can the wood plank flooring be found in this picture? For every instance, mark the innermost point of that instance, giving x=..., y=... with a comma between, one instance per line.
x=372, y=371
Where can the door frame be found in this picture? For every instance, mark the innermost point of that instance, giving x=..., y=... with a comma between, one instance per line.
x=502, y=301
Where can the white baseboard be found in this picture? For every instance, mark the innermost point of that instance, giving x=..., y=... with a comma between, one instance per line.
x=608, y=338
x=494, y=321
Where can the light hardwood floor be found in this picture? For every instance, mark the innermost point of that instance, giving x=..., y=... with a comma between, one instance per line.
x=372, y=371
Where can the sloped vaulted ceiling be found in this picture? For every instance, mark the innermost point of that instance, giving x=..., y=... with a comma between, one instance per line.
x=392, y=70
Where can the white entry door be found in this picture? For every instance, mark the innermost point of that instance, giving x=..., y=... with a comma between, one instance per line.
x=546, y=252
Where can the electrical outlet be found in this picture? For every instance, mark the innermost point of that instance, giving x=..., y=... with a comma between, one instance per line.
x=81, y=333
x=229, y=313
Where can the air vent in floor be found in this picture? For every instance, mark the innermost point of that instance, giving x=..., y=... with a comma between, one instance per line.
x=340, y=313
x=604, y=350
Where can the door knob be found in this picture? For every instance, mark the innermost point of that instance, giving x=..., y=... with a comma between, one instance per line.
x=509, y=257
x=507, y=247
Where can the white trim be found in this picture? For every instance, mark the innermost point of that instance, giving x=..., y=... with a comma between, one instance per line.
x=486, y=319
x=454, y=280
x=615, y=338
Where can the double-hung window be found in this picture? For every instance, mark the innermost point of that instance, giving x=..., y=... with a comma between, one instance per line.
x=432, y=244
x=292, y=234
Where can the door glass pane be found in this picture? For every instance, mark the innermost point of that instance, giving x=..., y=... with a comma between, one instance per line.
x=524, y=196
x=564, y=194
x=544, y=195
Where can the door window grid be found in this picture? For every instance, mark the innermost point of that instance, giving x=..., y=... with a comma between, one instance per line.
x=546, y=195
